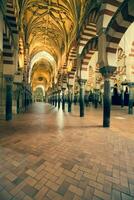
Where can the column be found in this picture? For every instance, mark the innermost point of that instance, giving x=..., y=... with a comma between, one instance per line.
x=122, y=97
x=107, y=72
x=55, y=98
x=63, y=99
x=131, y=98
x=18, y=101
x=81, y=97
x=59, y=99
x=9, y=85
x=69, y=98
x=23, y=99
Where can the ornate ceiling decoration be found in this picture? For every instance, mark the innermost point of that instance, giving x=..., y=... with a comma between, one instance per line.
x=51, y=25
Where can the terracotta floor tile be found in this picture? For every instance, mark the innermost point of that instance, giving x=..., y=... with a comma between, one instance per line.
x=50, y=154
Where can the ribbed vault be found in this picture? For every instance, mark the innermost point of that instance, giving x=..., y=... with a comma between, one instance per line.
x=51, y=26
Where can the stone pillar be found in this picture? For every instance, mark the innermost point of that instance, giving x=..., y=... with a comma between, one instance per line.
x=69, y=98
x=122, y=97
x=2, y=87
x=107, y=72
x=63, y=99
x=59, y=99
x=55, y=98
x=131, y=98
x=23, y=99
x=81, y=97
x=18, y=101
x=9, y=95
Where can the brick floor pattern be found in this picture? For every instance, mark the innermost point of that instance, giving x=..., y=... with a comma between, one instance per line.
x=46, y=154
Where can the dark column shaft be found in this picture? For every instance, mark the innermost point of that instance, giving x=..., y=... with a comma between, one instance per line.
x=59, y=100
x=8, y=102
x=106, y=103
x=131, y=100
x=81, y=100
x=63, y=101
x=55, y=99
x=122, y=98
x=18, y=102
x=25, y=100
x=69, y=101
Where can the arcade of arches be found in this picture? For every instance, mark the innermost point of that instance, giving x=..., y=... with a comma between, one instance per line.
x=75, y=56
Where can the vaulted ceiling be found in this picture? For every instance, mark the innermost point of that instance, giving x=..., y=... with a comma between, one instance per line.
x=51, y=26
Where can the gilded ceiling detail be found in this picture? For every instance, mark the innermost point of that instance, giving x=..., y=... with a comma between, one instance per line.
x=51, y=26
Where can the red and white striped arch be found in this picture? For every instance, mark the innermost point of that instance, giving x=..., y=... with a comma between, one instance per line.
x=86, y=55
x=117, y=27
x=107, y=10
x=88, y=30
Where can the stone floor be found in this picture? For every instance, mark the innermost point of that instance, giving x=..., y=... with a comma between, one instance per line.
x=46, y=154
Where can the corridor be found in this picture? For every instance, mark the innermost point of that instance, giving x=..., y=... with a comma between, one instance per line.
x=46, y=154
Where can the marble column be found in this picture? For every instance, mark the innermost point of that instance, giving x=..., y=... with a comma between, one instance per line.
x=9, y=96
x=131, y=98
x=107, y=72
x=55, y=98
x=63, y=99
x=81, y=97
x=69, y=98
x=122, y=97
x=59, y=100
x=18, y=102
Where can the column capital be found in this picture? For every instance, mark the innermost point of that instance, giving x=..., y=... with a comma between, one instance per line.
x=82, y=81
x=9, y=79
x=107, y=71
x=69, y=86
x=63, y=89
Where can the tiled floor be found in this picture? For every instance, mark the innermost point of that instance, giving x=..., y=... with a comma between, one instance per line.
x=46, y=154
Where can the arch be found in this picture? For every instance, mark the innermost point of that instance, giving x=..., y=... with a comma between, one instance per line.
x=8, y=42
x=117, y=27
x=40, y=86
x=107, y=10
x=86, y=55
x=11, y=15
x=88, y=29
x=72, y=60
x=37, y=57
